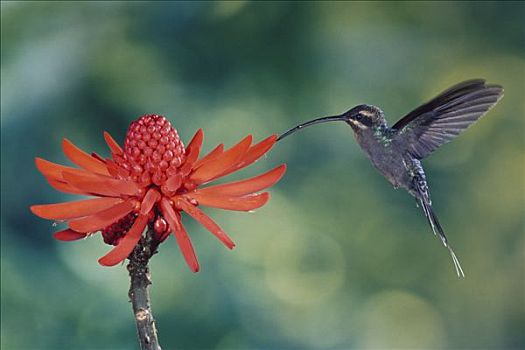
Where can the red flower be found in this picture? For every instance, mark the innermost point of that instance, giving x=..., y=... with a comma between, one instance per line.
x=150, y=182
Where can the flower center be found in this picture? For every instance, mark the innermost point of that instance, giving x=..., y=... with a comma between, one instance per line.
x=153, y=150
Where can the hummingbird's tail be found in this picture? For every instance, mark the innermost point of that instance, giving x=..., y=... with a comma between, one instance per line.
x=437, y=229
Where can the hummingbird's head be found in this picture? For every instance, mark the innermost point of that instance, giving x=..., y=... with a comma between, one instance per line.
x=360, y=118
x=364, y=117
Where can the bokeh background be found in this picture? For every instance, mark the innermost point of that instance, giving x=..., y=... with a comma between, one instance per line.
x=337, y=259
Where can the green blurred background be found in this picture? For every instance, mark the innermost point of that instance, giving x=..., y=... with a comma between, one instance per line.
x=337, y=259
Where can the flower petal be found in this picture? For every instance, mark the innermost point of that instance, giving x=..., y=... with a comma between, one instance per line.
x=102, y=185
x=98, y=157
x=126, y=244
x=206, y=221
x=151, y=197
x=255, y=152
x=217, y=151
x=54, y=171
x=124, y=187
x=69, y=235
x=192, y=152
x=69, y=210
x=245, y=203
x=82, y=159
x=173, y=183
x=115, y=170
x=103, y=218
x=112, y=144
x=180, y=234
x=65, y=187
x=244, y=187
x=196, y=141
x=185, y=246
x=215, y=167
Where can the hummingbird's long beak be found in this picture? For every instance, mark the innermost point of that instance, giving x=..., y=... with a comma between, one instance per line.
x=332, y=118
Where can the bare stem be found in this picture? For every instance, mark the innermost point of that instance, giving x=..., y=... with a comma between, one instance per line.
x=138, y=291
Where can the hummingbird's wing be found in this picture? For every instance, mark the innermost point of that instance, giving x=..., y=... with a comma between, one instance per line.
x=440, y=120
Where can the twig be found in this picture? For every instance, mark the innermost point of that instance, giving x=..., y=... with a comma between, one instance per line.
x=138, y=291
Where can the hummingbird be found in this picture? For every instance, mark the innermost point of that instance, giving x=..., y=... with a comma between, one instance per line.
x=396, y=152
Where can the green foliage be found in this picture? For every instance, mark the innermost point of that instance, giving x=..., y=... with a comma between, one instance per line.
x=337, y=259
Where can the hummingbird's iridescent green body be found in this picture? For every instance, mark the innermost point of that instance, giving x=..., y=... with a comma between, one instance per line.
x=397, y=151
